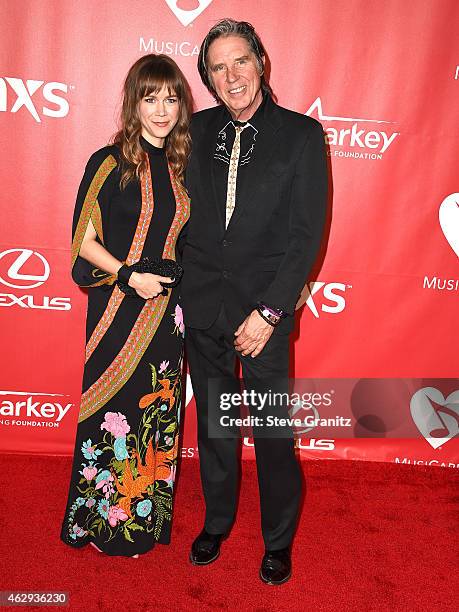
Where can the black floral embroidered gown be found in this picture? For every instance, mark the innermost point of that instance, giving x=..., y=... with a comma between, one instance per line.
x=126, y=446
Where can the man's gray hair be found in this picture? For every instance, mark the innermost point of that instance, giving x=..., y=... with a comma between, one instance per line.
x=230, y=27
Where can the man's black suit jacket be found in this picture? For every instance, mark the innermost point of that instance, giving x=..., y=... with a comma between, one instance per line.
x=273, y=237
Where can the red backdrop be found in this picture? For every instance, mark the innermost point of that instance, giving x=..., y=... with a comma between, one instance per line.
x=383, y=79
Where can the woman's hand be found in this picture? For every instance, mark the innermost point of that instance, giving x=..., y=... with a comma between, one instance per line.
x=148, y=285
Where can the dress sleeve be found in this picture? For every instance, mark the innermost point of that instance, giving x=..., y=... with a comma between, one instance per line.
x=88, y=207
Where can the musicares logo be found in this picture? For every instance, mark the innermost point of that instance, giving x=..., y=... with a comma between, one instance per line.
x=25, y=90
x=448, y=216
x=436, y=418
x=12, y=274
x=187, y=15
x=356, y=137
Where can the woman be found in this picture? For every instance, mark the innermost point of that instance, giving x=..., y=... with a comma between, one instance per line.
x=131, y=204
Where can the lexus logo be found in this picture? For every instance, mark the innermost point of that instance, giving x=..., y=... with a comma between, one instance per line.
x=13, y=260
x=187, y=16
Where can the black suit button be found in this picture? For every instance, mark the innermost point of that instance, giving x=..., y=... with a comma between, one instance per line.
x=226, y=274
x=226, y=243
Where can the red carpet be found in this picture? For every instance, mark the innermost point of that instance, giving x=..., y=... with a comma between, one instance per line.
x=373, y=537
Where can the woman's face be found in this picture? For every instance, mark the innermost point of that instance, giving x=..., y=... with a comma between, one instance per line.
x=158, y=114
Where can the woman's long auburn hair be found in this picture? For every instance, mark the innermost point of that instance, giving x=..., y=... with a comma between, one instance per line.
x=148, y=76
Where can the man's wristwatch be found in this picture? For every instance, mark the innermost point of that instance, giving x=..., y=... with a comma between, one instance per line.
x=270, y=315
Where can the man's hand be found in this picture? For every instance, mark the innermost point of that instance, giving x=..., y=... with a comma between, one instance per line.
x=252, y=335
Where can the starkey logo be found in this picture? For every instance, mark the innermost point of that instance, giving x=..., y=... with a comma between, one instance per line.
x=27, y=408
x=356, y=140
x=17, y=94
x=185, y=14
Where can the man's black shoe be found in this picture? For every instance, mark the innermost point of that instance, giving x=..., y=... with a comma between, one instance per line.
x=206, y=548
x=276, y=566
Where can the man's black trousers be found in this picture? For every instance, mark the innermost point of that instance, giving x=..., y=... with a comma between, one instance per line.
x=212, y=357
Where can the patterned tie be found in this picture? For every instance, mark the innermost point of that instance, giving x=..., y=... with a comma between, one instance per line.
x=232, y=174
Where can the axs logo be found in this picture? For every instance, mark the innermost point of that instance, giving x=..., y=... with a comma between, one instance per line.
x=16, y=93
x=324, y=297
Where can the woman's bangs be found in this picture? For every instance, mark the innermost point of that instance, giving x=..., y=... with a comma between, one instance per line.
x=154, y=80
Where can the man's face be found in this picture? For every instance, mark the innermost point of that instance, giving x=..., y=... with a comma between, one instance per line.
x=235, y=75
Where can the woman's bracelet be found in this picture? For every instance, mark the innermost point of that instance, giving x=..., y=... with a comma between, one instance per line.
x=124, y=274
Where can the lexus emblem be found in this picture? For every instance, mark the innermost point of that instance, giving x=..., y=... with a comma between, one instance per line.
x=39, y=265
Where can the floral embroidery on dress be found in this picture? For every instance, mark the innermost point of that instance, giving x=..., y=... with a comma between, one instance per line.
x=178, y=320
x=133, y=489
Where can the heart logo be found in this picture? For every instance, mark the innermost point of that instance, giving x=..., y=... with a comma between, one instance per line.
x=187, y=16
x=436, y=418
x=448, y=215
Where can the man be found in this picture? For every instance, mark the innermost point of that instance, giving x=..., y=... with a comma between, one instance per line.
x=258, y=181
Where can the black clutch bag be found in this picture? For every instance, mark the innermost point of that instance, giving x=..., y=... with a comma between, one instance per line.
x=161, y=267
